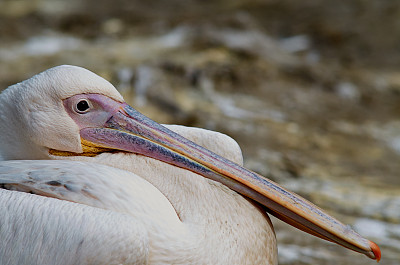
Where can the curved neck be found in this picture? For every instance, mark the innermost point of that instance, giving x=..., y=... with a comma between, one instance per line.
x=224, y=222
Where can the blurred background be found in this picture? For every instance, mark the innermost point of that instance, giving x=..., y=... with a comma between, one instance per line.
x=310, y=90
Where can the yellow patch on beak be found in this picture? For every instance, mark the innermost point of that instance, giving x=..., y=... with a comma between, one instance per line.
x=88, y=148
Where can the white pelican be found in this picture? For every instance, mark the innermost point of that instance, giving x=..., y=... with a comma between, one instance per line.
x=135, y=192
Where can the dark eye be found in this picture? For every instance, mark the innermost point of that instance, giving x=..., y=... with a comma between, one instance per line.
x=82, y=106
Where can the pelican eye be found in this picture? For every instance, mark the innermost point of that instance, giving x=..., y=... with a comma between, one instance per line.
x=82, y=106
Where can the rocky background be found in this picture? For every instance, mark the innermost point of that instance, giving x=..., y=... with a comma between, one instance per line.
x=310, y=90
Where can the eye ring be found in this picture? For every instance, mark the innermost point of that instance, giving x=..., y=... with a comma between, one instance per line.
x=82, y=106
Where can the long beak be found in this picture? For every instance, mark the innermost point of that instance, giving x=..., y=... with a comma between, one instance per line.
x=128, y=130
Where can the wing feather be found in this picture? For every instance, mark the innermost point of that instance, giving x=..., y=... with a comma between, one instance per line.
x=38, y=230
x=89, y=184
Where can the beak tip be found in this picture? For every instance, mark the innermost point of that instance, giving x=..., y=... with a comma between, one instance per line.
x=376, y=250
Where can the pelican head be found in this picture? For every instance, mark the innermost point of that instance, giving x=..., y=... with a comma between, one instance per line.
x=40, y=120
x=70, y=111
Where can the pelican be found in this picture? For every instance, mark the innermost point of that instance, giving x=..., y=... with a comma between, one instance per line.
x=87, y=179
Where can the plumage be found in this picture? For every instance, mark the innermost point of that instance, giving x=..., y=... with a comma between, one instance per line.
x=120, y=191
x=94, y=201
